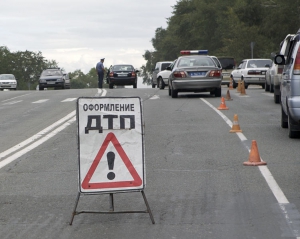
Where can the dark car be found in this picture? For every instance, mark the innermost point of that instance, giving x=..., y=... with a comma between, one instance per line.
x=122, y=74
x=54, y=78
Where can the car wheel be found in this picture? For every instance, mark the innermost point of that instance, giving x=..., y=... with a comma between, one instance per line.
x=174, y=93
x=218, y=92
x=234, y=84
x=284, y=119
x=169, y=90
x=246, y=85
x=153, y=85
x=111, y=86
x=263, y=86
x=271, y=88
x=267, y=87
x=276, y=99
x=134, y=85
x=41, y=88
x=292, y=133
x=161, y=83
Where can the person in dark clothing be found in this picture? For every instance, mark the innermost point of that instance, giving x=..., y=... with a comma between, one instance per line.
x=100, y=71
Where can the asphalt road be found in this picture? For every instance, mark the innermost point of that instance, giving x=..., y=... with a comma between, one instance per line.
x=197, y=185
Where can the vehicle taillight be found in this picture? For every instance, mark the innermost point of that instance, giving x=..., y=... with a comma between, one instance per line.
x=215, y=73
x=179, y=74
x=133, y=74
x=297, y=63
x=111, y=74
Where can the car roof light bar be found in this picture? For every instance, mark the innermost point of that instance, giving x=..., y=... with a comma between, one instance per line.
x=194, y=52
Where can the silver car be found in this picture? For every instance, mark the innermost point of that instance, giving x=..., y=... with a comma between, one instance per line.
x=290, y=87
x=195, y=71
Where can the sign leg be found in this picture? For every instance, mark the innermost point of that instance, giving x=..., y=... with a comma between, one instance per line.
x=74, y=211
x=111, y=202
x=148, y=207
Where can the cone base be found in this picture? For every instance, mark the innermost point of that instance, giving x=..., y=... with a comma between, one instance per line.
x=235, y=131
x=223, y=108
x=248, y=163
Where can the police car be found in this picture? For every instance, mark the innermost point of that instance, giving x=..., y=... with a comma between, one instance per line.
x=195, y=71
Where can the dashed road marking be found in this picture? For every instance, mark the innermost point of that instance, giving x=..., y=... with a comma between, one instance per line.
x=40, y=101
x=69, y=99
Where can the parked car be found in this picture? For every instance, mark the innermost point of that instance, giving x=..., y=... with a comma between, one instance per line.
x=163, y=77
x=274, y=73
x=195, y=71
x=159, y=66
x=8, y=81
x=122, y=74
x=290, y=87
x=228, y=65
x=251, y=71
x=54, y=78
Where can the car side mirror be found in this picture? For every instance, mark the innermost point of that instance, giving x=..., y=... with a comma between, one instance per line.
x=267, y=65
x=137, y=71
x=168, y=68
x=279, y=60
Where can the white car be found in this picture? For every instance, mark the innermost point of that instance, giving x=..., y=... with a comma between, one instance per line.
x=159, y=66
x=8, y=81
x=163, y=77
x=252, y=72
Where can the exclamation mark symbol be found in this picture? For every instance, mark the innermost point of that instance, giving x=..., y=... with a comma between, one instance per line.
x=110, y=160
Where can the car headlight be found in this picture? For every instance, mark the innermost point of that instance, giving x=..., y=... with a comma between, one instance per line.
x=60, y=79
x=42, y=81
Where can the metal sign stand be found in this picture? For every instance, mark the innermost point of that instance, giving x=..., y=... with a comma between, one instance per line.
x=112, y=208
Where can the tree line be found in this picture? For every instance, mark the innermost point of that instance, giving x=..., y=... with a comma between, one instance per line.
x=27, y=67
x=224, y=28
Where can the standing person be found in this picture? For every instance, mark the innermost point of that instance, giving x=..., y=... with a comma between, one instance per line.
x=100, y=71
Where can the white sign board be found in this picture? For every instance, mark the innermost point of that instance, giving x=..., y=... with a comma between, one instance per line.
x=110, y=144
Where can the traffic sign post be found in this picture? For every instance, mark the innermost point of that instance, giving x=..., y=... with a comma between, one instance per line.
x=110, y=149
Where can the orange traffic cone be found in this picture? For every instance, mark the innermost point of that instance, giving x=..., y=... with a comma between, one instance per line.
x=235, y=125
x=243, y=91
x=254, y=158
x=238, y=89
x=228, y=97
x=230, y=84
x=222, y=105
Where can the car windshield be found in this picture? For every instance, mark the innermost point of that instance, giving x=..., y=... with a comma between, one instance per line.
x=7, y=77
x=195, y=61
x=258, y=63
x=227, y=63
x=122, y=68
x=51, y=73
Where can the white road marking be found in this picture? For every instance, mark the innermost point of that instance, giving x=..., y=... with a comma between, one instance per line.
x=40, y=101
x=65, y=121
x=265, y=172
x=36, y=143
x=154, y=97
x=37, y=136
x=14, y=97
x=12, y=102
x=69, y=99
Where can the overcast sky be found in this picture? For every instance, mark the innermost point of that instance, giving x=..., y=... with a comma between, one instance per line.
x=77, y=33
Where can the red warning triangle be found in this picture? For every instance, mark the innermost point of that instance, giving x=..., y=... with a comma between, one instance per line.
x=137, y=181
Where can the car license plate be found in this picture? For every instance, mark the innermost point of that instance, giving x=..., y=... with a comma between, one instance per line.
x=197, y=73
x=50, y=82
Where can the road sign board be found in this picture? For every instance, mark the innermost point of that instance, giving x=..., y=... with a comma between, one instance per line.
x=110, y=144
